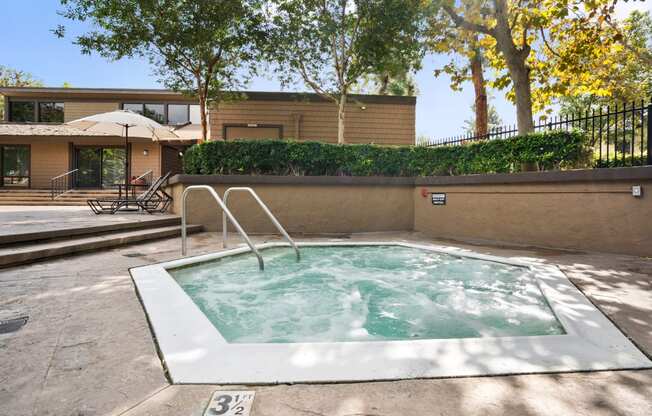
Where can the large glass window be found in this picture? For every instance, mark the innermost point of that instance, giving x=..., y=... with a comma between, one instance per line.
x=50, y=112
x=14, y=161
x=21, y=111
x=177, y=114
x=173, y=114
x=136, y=108
x=195, y=115
x=155, y=111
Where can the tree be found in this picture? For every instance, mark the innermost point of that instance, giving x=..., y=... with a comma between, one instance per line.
x=331, y=44
x=516, y=32
x=10, y=77
x=387, y=83
x=203, y=48
x=493, y=121
x=603, y=65
x=444, y=38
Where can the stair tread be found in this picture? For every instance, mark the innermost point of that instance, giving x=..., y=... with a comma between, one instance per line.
x=77, y=231
x=87, y=241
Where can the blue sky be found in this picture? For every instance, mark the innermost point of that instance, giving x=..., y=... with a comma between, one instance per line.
x=30, y=46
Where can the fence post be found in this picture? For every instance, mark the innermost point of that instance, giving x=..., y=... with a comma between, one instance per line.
x=649, y=134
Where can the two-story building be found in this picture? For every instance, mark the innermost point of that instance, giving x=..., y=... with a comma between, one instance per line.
x=36, y=145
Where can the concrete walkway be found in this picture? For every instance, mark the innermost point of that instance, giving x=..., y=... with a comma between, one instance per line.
x=87, y=348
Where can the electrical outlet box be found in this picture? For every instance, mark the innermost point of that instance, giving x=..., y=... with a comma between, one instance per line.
x=637, y=191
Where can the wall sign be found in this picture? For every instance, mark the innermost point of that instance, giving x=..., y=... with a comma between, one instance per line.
x=230, y=403
x=438, y=199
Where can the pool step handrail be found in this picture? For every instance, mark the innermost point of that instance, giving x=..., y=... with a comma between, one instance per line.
x=279, y=227
x=225, y=213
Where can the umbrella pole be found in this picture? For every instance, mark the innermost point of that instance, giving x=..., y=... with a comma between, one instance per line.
x=126, y=159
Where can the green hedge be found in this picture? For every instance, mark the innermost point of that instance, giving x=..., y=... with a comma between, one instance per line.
x=549, y=150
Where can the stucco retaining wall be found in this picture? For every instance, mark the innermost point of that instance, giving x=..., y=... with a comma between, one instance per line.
x=302, y=204
x=584, y=210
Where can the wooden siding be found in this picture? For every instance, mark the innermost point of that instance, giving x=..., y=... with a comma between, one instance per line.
x=48, y=158
x=141, y=163
x=390, y=124
x=73, y=110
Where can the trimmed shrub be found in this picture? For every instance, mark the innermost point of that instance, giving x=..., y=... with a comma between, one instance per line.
x=547, y=150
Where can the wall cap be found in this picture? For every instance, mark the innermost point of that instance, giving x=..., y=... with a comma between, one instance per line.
x=585, y=175
x=291, y=180
x=580, y=175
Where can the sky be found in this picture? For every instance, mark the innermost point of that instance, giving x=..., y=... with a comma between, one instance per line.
x=29, y=45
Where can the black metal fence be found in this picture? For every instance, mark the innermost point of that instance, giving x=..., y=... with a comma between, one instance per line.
x=620, y=135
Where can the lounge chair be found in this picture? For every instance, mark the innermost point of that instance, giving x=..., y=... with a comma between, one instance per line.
x=154, y=199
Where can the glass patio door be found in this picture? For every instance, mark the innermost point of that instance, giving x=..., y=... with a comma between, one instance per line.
x=14, y=166
x=113, y=166
x=99, y=167
x=88, y=161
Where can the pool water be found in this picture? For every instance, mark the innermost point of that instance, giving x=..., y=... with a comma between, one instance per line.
x=365, y=293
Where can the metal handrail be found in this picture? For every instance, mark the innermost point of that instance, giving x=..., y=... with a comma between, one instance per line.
x=271, y=216
x=149, y=173
x=225, y=211
x=59, y=185
x=64, y=174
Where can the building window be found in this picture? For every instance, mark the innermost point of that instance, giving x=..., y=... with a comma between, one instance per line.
x=177, y=114
x=172, y=114
x=195, y=115
x=156, y=112
x=136, y=108
x=14, y=165
x=22, y=111
x=50, y=112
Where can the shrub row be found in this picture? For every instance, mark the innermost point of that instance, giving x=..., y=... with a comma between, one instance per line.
x=548, y=150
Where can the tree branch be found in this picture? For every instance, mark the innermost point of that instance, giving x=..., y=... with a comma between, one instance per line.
x=547, y=45
x=465, y=24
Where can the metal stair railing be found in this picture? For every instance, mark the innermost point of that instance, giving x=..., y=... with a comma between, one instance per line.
x=279, y=227
x=225, y=211
x=146, y=177
x=63, y=183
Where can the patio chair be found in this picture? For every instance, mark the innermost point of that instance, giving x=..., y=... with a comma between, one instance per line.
x=154, y=199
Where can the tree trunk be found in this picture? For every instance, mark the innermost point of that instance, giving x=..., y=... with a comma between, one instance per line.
x=481, y=106
x=340, y=119
x=204, y=122
x=520, y=75
x=519, y=72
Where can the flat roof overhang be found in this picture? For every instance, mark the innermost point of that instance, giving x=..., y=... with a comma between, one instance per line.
x=129, y=94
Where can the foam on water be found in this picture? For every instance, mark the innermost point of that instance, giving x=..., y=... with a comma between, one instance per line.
x=365, y=293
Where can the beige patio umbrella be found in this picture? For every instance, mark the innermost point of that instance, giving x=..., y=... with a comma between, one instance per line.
x=124, y=123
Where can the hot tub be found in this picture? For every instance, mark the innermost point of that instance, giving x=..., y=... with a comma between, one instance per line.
x=371, y=311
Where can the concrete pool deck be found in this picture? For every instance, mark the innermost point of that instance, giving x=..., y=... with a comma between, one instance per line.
x=87, y=348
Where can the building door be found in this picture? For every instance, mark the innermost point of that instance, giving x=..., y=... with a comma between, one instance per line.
x=14, y=166
x=99, y=167
x=88, y=162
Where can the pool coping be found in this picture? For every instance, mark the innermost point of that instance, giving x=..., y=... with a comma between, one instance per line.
x=194, y=352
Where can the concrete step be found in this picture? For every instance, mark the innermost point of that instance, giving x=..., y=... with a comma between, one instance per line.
x=44, y=203
x=43, y=196
x=140, y=222
x=48, y=198
x=28, y=253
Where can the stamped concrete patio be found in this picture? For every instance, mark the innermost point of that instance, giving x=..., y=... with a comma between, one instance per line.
x=87, y=348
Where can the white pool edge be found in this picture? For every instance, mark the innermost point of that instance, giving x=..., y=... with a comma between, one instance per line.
x=194, y=352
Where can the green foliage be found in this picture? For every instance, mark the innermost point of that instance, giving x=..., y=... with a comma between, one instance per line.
x=202, y=48
x=10, y=77
x=549, y=150
x=331, y=45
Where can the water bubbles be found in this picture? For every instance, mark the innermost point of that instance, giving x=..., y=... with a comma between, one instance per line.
x=366, y=293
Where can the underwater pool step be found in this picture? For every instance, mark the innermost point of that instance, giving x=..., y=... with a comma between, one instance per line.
x=27, y=253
